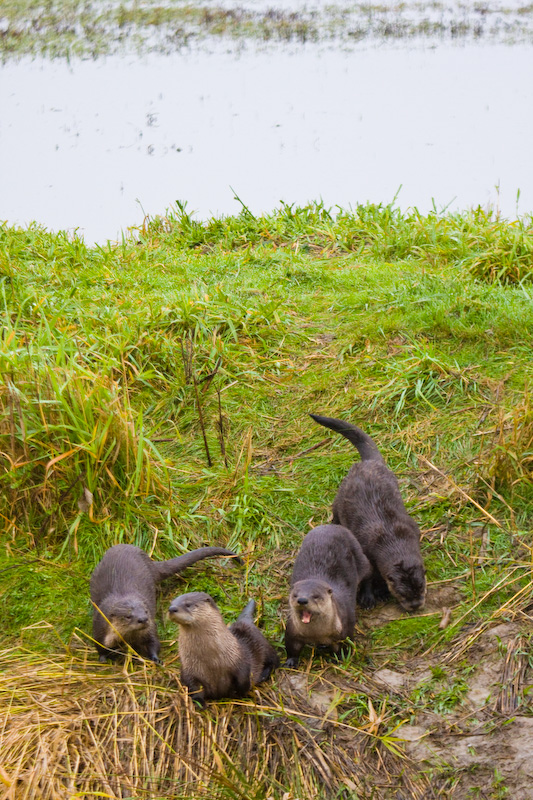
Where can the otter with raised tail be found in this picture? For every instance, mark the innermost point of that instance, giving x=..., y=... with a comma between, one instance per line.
x=370, y=505
x=216, y=660
x=323, y=593
x=123, y=594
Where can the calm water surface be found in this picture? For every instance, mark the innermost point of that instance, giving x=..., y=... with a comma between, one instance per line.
x=95, y=145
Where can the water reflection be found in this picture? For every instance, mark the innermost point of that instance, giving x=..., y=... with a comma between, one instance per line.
x=85, y=146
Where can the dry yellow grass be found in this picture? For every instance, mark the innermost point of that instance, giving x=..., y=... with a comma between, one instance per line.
x=73, y=728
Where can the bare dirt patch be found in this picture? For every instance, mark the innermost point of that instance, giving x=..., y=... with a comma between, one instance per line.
x=486, y=742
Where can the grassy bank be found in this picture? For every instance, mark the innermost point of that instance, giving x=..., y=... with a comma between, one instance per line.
x=157, y=392
x=76, y=28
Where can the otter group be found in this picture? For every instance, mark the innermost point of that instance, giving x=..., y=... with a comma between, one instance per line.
x=369, y=551
x=123, y=594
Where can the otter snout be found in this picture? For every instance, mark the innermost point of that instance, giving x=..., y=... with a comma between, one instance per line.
x=304, y=614
x=180, y=615
x=414, y=605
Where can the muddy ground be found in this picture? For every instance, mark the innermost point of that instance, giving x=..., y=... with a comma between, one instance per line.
x=482, y=745
x=488, y=740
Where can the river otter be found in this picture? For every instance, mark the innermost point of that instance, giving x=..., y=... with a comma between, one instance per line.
x=217, y=661
x=322, y=599
x=123, y=593
x=369, y=503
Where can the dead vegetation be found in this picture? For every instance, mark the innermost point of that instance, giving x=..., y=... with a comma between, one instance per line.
x=73, y=729
x=447, y=721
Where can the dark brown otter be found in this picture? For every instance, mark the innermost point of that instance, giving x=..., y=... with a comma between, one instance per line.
x=327, y=570
x=369, y=503
x=123, y=592
x=217, y=661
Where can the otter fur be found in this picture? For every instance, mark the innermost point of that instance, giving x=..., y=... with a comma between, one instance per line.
x=216, y=660
x=123, y=594
x=369, y=503
x=322, y=599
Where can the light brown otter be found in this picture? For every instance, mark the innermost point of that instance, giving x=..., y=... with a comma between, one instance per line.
x=216, y=660
x=327, y=570
x=369, y=503
x=123, y=593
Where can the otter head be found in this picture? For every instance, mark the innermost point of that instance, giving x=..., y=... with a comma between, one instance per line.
x=406, y=581
x=127, y=614
x=193, y=608
x=310, y=600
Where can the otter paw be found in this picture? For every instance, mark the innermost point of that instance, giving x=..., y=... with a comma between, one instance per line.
x=366, y=600
x=291, y=663
x=381, y=594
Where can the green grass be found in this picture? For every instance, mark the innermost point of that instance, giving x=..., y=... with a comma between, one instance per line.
x=106, y=353
x=381, y=317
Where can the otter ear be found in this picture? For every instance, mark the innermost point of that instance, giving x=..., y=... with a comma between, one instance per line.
x=330, y=590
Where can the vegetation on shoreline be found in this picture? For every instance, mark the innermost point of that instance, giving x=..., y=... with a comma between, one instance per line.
x=76, y=28
x=156, y=391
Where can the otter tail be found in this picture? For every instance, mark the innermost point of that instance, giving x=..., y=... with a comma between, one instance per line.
x=364, y=443
x=164, y=569
x=248, y=612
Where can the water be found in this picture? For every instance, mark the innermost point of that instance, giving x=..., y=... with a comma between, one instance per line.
x=95, y=145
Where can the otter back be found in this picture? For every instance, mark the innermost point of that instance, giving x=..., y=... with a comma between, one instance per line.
x=370, y=505
x=322, y=599
x=123, y=593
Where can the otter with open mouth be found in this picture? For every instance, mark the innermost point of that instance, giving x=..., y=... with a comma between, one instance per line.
x=322, y=599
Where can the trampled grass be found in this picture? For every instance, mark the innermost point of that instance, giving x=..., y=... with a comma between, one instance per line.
x=157, y=392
